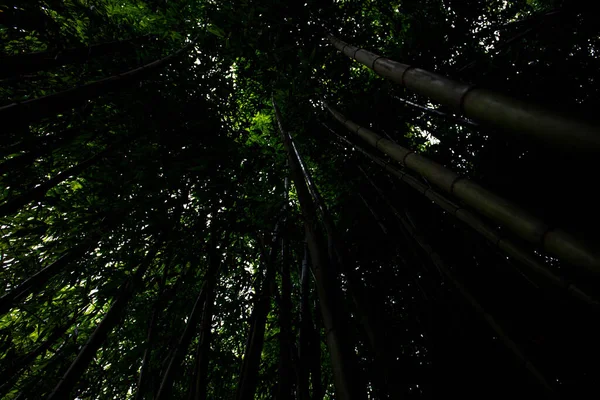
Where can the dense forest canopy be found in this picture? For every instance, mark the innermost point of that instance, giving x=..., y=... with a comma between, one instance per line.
x=224, y=200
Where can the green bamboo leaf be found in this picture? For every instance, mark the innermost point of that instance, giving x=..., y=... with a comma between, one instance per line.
x=215, y=30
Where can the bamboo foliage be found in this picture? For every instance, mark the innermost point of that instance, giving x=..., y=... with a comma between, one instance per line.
x=500, y=210
x=43, y=60
x=35, y=109
x=483, y=105
x=97, y=338
x=478, y=225
x=37, y=281
x=37, y=193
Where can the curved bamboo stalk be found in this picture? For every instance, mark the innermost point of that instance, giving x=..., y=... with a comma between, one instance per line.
x=483, y=105
x=39, y=61
x=97, y=338
x=528, y=227
x=504, y=338
x=41, y=107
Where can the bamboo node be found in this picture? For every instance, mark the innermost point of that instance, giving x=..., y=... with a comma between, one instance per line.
x=404, y=73
x=407, y=154
x=461, y=101
x=458, y=178
x=356, y=51
x=374, y=61
x=544, y=236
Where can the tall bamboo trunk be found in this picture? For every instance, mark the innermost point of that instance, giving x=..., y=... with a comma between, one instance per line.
x=174, y=365
x=246, y=388
x=503, y=243
x=200, y=384
x=335, y=317
x=204, y=342
x=516, y=219
x=365, y=312
x=286, y=367
x=306, y=330
x=159, y=303
x=491, y=108
x=150, y=335
x=111, y=319
x=316, y=373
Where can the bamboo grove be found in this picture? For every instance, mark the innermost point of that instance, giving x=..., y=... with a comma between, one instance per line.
x=310, y=200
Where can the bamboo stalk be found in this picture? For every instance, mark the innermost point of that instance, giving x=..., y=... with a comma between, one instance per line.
x=35, y=109
x=343, y=361
x=286, y=339
x=306, y=331
x=483, y=105
x=364, y=310
x=174, y=363
x=500, y=210
x=246, y=389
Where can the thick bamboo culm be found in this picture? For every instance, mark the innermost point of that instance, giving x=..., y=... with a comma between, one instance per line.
x=482, y=105
x=519, y=221
x=504, y=338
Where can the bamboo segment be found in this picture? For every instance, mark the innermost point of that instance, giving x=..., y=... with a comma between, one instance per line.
x=500, y=210
x=506, y=340
x=483, y=105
